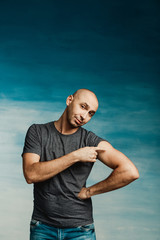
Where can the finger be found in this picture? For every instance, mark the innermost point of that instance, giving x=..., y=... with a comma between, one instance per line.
x=99, y=149
x=93, y=160
x=93, y=157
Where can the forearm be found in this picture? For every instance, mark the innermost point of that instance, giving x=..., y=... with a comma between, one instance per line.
x=117, y=179
x=41, y=171
x=36, y=171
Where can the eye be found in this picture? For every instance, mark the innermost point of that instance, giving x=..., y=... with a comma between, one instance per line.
x=91, y=114
x=82, y=106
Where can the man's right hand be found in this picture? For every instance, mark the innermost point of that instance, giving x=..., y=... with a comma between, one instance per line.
x=88, y=154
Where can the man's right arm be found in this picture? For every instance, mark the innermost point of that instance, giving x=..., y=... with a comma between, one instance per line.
x=36, y=171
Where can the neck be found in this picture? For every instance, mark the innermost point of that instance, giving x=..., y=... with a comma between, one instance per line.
x=63, y=126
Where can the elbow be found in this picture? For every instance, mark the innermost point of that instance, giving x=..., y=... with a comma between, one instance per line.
x=134, y=174
x=28, y=178
x=131, y=173
x=29, y=181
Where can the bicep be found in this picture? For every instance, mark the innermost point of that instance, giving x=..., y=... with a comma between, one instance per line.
x=111, y=156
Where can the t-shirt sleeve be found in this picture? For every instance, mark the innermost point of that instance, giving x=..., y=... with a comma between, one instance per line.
x=32, y=142
x=94, y=140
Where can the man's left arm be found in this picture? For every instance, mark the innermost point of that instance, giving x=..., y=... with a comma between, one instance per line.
x=124, y=171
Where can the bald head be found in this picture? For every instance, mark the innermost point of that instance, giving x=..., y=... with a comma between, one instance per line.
x=84, y=91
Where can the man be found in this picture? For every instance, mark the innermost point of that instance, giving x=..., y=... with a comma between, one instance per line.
x=57, y=158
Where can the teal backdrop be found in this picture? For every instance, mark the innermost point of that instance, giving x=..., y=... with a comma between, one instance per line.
x=48, y=50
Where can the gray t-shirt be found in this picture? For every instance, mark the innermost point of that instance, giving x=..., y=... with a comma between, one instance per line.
x=55, y=200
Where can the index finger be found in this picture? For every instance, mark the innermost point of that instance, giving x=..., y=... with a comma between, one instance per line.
x=100, y=149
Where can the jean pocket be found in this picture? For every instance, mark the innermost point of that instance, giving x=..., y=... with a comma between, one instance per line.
x=87, y=228
x=34, y=223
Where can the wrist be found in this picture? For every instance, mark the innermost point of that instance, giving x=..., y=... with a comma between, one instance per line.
x=74, y=156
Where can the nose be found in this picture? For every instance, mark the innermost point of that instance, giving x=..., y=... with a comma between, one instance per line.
x=84, y=115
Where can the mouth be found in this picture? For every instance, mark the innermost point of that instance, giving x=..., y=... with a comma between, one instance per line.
x=78, y=121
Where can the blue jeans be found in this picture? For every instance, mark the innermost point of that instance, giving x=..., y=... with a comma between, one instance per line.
x=42, y=231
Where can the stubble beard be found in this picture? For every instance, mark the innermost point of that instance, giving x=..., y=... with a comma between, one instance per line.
x=70, y=119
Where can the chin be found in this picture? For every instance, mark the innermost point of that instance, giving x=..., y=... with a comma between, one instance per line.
x=73, y=124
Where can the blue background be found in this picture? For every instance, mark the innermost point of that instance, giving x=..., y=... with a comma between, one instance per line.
x=48, y=50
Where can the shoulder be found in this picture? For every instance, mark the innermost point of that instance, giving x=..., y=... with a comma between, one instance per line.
x=87, y=133
x=39, y=129
x=91, y=138
x=41, y=126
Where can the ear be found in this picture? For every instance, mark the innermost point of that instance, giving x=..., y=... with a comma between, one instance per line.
x=69, y=100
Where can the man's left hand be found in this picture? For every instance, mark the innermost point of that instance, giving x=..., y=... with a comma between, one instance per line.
x=84, y=193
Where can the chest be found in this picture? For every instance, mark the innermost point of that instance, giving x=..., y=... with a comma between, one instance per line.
x=55, y=146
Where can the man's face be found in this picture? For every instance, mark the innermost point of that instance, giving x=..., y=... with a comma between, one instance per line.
x=81, y=108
